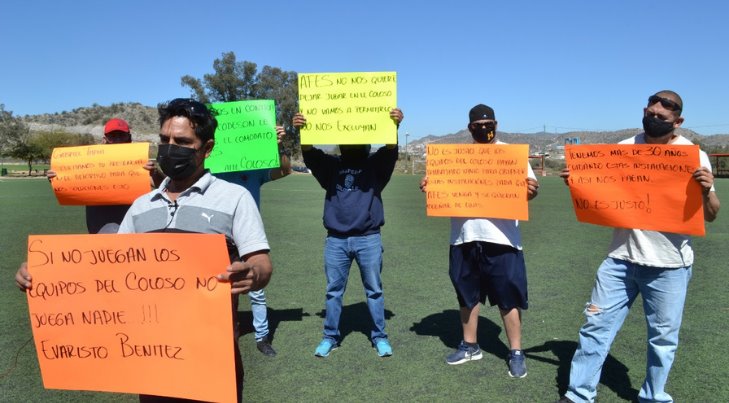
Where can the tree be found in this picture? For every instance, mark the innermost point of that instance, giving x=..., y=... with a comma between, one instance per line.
x=39, y=146
x=236, y=81
x=26, y=151
x=46, y=141
x=281, y=86
x=12, y=131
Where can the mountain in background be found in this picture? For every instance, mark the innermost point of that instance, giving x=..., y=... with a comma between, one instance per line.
x=142, y=120
x=144, y=126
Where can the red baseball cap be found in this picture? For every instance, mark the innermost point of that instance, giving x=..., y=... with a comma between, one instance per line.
x=116, y=125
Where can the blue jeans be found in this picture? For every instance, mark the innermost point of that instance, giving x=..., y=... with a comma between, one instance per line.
x=617, y=285
x=338, y=256
x=260, y=315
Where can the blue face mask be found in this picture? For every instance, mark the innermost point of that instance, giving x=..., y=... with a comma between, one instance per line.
x=177, y=162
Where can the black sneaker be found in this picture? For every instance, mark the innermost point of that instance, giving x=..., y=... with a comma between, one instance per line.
x=264, y=346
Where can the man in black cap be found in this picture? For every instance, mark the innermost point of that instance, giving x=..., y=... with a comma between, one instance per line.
x=486, y=259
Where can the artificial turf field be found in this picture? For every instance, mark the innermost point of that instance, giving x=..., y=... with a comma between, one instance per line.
x=562, y=256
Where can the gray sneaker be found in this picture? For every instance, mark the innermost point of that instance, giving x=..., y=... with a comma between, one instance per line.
x=463, y=354
x=517, y=366
x=265, y=347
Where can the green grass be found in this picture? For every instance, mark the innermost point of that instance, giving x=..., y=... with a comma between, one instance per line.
x=422, y=320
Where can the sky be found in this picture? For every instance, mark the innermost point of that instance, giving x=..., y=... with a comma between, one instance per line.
x=555, y=65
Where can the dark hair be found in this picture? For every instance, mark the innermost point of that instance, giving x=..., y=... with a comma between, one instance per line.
x=200, y=116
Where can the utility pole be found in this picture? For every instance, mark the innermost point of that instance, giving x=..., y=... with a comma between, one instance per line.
x=412, y=165
x=407, y=155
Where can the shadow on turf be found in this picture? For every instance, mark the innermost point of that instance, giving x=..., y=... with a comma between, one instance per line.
x=446, y=326
x=356, y=318
x=275, y=317
x=614, y=374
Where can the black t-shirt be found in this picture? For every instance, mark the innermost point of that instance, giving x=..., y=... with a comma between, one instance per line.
x=99, y=216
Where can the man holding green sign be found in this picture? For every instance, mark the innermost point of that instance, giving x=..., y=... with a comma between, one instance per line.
x=244, y=140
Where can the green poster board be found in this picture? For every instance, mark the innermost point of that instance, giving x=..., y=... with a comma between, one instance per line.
x=245, y=138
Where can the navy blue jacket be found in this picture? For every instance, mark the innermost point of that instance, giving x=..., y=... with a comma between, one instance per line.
x=353, y=201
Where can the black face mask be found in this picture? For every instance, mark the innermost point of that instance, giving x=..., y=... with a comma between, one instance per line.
x=354, y=152
x=484, y=133
x=177, y=162
x=655, y=127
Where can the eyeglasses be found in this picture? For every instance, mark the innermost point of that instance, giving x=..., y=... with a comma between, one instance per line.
x=194, y=108
x=665, y=102
x=117, y=137
x=484, y=124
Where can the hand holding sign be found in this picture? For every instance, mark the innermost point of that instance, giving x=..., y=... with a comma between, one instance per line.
x=705, y=178
x=532, y=188
x=22, y=278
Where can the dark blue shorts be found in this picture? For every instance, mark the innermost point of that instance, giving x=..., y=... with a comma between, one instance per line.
x=480, y=269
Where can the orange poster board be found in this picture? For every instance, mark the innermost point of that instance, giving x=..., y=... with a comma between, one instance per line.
x=101, y=174
x=640, y=186
x=477, y=180
x=133, y=313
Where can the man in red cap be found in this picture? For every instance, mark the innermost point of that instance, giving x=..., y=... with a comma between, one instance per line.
x=106, y=219
x=117, y=131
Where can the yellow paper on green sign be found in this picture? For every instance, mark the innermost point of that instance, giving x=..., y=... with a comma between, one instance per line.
x=245, y=138
x=348, y=108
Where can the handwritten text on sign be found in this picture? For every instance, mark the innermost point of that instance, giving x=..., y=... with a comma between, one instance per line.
x=101, y=174
x=245, y=138
x=639, y=186
x=348, y=108
x=133, y=313
x=477, y=180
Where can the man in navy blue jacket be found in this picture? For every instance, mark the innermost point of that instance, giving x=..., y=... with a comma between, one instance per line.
x=353, y=215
